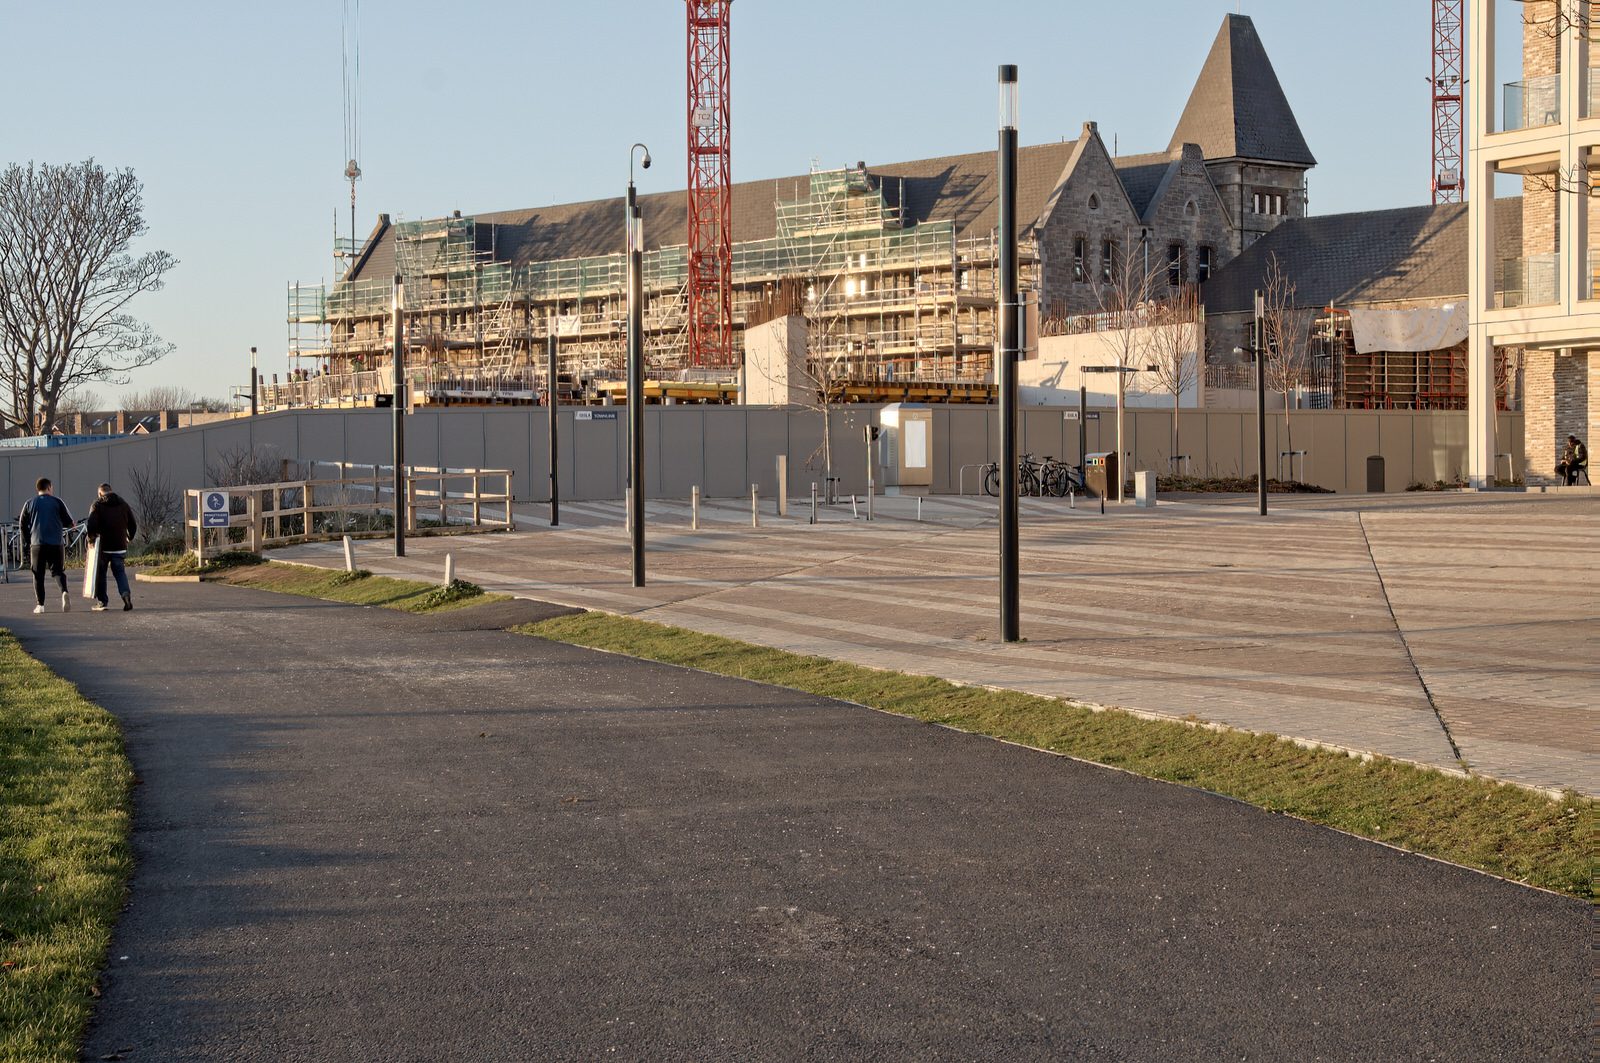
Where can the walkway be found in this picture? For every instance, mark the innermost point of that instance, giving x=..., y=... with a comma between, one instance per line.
x=1397, y=625
x=363, y=835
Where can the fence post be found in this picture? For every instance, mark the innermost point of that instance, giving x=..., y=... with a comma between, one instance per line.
x=813, y=501
x=783, y=485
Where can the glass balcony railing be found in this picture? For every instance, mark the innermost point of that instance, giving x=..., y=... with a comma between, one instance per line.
x=1592, y=103
x=1532, y=103
x=1530, y=281
x=1591, y=276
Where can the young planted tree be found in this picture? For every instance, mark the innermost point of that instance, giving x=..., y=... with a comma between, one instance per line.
x=1174, y=348
x=1125, y=292
x=1286, y=330
x=67, y=277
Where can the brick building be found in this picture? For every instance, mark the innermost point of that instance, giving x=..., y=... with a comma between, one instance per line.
x=898, y=259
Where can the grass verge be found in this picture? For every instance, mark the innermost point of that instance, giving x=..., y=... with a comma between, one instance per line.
x=356, y=588
x=1494, y=827
x=64, y=857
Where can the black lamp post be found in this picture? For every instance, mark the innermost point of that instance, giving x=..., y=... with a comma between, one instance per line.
x=1257, y=350
x=551, y=409
x=635, y=231
x=399, y=402
x=1006, y=354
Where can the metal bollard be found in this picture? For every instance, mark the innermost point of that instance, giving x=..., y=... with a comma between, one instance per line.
x=1072, y=498
x=694, y=508
x=854, y=512
x=755, y=506
x=869, y=498
x=919, y=509
x=349, y=555
x=813, y=501
x=627, y=512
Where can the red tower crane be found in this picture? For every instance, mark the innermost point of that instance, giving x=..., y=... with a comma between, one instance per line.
x=1449, y=85
x=710, y=187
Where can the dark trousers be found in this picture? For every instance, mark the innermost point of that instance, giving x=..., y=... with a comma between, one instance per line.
x=115, y=562
x=56, y=558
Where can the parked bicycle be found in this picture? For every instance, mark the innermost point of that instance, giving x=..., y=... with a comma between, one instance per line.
x=1036, y=478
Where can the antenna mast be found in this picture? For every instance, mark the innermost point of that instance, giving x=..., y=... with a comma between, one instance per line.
x=351, y=41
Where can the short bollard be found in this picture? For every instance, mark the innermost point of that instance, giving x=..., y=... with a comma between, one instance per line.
x=694, y=508
x=449, y=569
x=870, y=493
x=854, y=512
x=755, y=506
x=813, y=501
x=349, y=555
x=919, y=509
x=627, y=512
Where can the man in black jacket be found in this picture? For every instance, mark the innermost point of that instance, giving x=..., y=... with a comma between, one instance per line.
x=111, y=525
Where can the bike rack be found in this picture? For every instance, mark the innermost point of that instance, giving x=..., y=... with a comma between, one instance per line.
x=961, y=479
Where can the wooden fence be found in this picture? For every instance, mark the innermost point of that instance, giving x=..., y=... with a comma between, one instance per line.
x=342, y=498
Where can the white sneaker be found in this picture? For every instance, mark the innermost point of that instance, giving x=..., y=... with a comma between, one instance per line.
x=66, y=602
x=97, y=608
x=38, y=608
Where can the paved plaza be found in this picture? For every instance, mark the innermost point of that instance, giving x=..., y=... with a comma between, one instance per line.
x=1445, y=630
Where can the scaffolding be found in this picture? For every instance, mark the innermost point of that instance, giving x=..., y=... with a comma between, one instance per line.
x=892, y=301
x=1346, y=379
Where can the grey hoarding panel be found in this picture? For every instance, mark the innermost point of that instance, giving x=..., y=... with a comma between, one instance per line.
x=276, y=430
x=806, y=464
x=679, y=460
x=1324, y=436
x=182, y=460
x=506, y=434
x=1394, y=443
x=768, y=430
x=1043, y=433
x=1361, y=442
x=461, y=439
x=83, y=469
x=598, y=451
x=320, y=436
x=725, y=461
x=369, y=438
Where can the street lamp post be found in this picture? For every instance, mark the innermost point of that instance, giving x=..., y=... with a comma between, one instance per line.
x=253, y=398
x=399, y=411
x=1257, y=349
x=635, y=230
x=1006, y=354
x=551, y=409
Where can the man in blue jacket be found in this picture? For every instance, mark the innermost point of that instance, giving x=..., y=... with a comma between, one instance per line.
x=45, y=521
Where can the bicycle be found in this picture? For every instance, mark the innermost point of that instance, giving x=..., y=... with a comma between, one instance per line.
x=1059, y=478
x=1028, y=480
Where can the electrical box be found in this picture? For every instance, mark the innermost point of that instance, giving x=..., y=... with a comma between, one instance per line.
x=1100, y=474
x=905, y=446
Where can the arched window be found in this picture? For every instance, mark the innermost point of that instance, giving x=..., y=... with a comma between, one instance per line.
x=1189, y=209
x=1094, y=201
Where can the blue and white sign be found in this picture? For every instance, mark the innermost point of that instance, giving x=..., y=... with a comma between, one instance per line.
x=595, y=415
x=213, y=509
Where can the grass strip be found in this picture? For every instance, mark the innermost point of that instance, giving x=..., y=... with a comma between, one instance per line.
x=1495, y=827
x=335, y=585
x=64, y=856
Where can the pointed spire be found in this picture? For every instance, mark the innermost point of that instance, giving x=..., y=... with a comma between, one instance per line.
x=1237, y=108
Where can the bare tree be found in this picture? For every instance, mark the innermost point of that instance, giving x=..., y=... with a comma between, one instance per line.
x=1174, y=348
x=1286, y=330
x=66, y=279
x=1125, y=292
x=156, y=503
x=241, y=466
x=160, y=397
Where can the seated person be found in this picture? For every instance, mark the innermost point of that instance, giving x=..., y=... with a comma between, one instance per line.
x=1574, y=460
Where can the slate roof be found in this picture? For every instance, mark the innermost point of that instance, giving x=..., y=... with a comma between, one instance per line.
x=953, y=187
x=1238, y=109
x=1412, y=253
x=1142, y=175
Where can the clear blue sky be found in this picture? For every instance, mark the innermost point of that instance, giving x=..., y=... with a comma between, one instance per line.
x=232, y=114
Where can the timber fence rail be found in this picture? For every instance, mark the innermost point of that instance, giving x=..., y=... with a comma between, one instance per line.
x=343, y=498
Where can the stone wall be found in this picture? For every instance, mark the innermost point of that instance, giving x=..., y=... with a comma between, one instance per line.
x=1563, y=398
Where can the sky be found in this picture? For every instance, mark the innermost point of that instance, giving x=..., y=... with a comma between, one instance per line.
x=232, y=114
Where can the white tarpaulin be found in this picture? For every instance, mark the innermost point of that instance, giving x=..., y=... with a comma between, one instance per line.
x=1434, y=328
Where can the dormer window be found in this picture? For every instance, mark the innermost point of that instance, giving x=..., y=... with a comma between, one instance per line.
x=1094, y=201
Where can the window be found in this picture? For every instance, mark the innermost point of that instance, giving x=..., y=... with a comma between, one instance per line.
x=1094, y=201
x=1108, y=256
x=1268, y=203
x=1175, y=265
x=1080, y=256
x=1202, y=264
x=1189, y=209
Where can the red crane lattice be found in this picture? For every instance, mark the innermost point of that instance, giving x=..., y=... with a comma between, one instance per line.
x=710, y=194
x=1449, y=84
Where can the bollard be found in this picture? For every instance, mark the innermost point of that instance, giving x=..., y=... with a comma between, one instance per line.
x=783, y=485
x=1102, y=503
x=755, y=506
x=694, y=508
x=869, y=498
x=919, y=509
x=813, y=501
x=627, y=512
x=854, y=512
x=449, y=570
x=349, y=555
x=1072, y=498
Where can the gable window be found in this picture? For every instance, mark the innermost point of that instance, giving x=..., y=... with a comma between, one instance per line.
x=1175, y=265
x=1094, y=201
x=1189, y=209
x=1080, y=258
x=1268, y=203
x=1108, y=257
x=1202, y=264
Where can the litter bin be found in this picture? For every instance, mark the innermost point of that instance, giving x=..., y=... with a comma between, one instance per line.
x=1100, y=474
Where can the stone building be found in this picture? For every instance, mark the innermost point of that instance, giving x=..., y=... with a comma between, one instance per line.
x=893, y=265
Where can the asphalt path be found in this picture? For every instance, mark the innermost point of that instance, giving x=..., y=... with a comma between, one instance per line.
x=362, y=835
